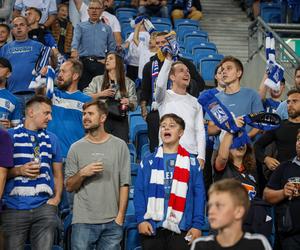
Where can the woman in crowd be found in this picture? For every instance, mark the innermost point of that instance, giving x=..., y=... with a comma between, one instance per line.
x=119, y=93
x=236, y=162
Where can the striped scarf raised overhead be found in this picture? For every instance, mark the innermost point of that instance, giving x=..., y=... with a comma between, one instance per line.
x=176, y=205
x=23, y=153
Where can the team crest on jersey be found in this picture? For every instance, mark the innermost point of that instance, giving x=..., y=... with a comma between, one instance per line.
x=218, y=112
x=7, y=104
x=79, y=105
x=251, y=190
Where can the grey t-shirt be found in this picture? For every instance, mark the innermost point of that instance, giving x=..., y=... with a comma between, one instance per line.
x=97, y=201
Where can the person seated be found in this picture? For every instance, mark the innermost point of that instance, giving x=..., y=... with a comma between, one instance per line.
x=169, y=193
x=228, y=205
x=153, y=8
x=190, y=9
x=116, y=89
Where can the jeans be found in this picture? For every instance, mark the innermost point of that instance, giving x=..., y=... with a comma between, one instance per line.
x=96, y=236
x=39, y=223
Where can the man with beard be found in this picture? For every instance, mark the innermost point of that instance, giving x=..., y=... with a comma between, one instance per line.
x=282, y=109
x=100, y=178
x=284, y=137
x=67, y=105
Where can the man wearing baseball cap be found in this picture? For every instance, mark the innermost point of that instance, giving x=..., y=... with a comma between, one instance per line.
x=10, y=111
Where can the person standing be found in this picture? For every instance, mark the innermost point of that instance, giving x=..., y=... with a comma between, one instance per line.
x=91, y=41
x=34, y=186
x=100, y=178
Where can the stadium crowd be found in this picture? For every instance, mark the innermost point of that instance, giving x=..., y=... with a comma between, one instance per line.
x=219, y=168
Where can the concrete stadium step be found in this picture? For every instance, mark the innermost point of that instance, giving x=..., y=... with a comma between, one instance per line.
x=227, y=27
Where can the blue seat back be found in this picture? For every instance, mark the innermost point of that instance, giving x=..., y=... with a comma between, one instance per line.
x=207, y=68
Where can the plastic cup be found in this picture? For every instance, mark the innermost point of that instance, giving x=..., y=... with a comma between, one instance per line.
x=296, y=182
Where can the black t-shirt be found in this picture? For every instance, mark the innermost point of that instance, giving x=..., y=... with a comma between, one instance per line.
x=277, y=181
x=285, y=139
x=246, y=178
x=247, y=242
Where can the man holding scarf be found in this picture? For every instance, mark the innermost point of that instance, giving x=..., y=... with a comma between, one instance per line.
x=34, y=186
x=169, y=194
x=148, y=87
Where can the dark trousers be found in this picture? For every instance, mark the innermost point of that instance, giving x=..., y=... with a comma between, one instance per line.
x=91, y=68
x=39, y=223
x=132, y=72
x=153, y=129
x=165, y=240
x=118, y=128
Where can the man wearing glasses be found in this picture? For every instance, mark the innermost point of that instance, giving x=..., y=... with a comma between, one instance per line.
x=92, y=39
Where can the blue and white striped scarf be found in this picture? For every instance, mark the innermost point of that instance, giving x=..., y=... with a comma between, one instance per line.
x=23, y=153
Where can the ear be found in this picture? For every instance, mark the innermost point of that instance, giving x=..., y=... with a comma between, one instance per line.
x=239, y=212
x=30, y=112
x=103, y=118
x=75, y=77
x=181, y=131
x=8, y=74
x=172, y=77
x=239, y=72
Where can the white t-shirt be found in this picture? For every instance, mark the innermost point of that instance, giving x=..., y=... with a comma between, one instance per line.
x=133, y=54
x=47, y=7
x=185, y=106
x=145, y=55
x=109, y=19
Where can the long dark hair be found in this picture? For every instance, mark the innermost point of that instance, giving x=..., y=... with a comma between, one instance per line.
x=249, y=162
x=120, y=75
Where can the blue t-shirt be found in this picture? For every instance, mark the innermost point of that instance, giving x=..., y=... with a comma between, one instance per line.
x=67, y=117
x=244, y=102
x=30, y=202
x=282, y=111
x=22, y=56
x=270, y=105
x=10, y=105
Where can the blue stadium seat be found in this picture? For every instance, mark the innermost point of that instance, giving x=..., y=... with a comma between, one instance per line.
x=188, y=56
x=163, y=20
x=179, y=22
x=136, y=125
x=162, y=27
x=126, y=30
x=207, y=68
x=67, y=232
x=182, y=27
x=271, y=12
x=182, y=32
x=132, y=152
x=145, y=150
x=196, y=33
x=192, y=44
x=198, y=57
x=126, y=11
x=132, y=238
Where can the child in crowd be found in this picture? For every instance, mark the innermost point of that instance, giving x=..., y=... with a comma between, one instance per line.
x=141, y=46
x=62, y=30
x=169, y=194
x=227, y=207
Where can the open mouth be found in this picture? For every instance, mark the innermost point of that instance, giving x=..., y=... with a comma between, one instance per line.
x=167, y=135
